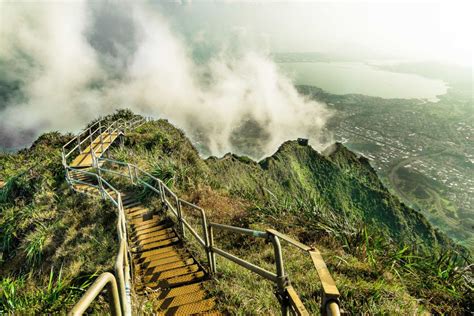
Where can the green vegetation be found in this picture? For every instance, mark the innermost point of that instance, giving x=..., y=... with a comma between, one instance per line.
x=422, y=150
x=53, y=242
x=384, y=256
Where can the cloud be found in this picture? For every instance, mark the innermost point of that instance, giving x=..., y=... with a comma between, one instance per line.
x=73, y=62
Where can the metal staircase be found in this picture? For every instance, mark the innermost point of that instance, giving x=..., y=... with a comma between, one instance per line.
x=153, y=260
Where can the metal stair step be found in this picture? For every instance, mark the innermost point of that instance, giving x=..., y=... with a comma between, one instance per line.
x=132, y=205
x=153, y=255
x=163, y=275
x=144, y=219
x=192, y=308
x=177, y=291
x=137, y=211
x=155, y=239
x=146, y=236
x=157, y=244
x=82, y=176
x=128, y=200
x=148, y=229
x=169, y=266
x=186, y=298
x=86, y=188
x=209, y=313
x=165, y=260
x=178, y=280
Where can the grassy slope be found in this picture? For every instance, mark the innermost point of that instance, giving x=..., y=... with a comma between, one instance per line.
x=52, y=240
x=384, y=255
x=333, y=203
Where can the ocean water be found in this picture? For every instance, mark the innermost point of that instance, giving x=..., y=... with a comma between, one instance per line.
x=360, y=78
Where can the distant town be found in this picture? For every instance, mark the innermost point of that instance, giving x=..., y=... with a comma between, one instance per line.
x=422, y=150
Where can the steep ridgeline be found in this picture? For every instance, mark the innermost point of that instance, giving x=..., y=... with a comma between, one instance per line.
x=385, y=257
x=339, y=182
x=333, y=200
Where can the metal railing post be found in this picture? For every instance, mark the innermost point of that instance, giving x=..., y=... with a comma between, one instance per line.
x=101, y=187
x=180, y=216
x=68, y=177
x=110, y=132
x=282, y=278
x=101, y=138
x=94, y=160
x=79, y=143
x=90, y=145
x=211, y=249
x=206, y=239
x=162, y=192
x=136, y=174
x=130, y=173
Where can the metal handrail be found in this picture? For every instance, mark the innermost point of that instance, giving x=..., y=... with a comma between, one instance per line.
x=87, y=133
x=106, y=279
x=330, y=297
x=122, y=265
x=168, y=198
x=286, y=294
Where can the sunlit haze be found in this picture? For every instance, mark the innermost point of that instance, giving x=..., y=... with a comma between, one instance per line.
x=414, y=30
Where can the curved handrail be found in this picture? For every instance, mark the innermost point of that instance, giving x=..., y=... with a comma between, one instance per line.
x=106, y=279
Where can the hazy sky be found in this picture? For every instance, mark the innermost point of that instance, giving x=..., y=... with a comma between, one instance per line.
x=63, y=63
x=420, y=30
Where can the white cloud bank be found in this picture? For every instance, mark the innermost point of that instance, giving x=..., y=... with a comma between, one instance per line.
x=70, y=66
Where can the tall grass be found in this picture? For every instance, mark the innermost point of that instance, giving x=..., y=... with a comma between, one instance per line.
x=17, y=295
x=35, y=242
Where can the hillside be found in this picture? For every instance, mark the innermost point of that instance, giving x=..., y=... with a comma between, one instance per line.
x=384, y=256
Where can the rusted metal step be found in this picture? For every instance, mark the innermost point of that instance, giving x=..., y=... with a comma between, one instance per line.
x=156, y=254
x=127, y=202
x=178, y=280
x=143, y=237
x=82, y=176
x=173, y=273
x=86, y=189
x=157, y=244
x=178, y=291
x=165, y=260
x=128, y=198
x=186, y=298
x=145, y=218
x=169, y=266
x=155, y=239
x=132, y=205
x=137, y=211
x=148, y=229
x=191, y=309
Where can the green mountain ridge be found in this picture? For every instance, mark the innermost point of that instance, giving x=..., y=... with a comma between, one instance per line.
x=384, y=256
